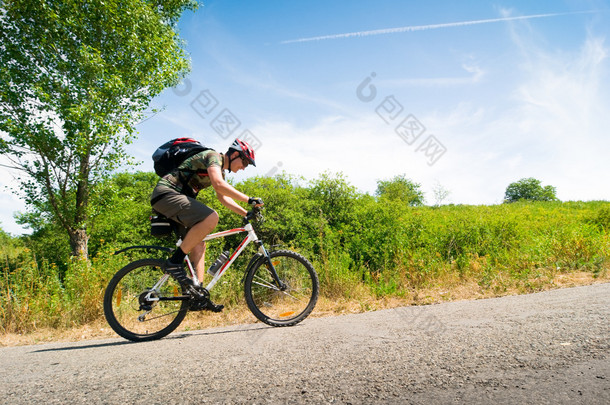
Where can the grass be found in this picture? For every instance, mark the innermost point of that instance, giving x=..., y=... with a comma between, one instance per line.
x=359, y=302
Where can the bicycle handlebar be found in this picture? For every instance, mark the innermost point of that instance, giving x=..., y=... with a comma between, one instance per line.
x=255, y=213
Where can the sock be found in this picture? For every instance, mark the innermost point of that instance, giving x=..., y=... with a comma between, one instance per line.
x=178, y=256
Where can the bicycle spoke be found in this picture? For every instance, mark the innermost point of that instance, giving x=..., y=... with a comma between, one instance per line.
x=291, y=303
x=134, y=302
x=156, y=317
x=290, y=295
x=264, y=284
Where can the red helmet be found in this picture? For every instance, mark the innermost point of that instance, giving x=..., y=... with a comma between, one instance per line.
x=245, y=151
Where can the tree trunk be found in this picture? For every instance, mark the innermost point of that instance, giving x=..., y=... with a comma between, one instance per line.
x=79, y=237
x=78, y=243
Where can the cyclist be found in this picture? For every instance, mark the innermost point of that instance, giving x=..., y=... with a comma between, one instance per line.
x=175, y=197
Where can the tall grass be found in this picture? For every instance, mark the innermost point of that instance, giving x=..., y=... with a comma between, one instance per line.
x=499, y=247
x=33, y=296
x=386, y=250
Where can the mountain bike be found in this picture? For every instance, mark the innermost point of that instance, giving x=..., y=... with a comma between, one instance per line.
x=143, y=303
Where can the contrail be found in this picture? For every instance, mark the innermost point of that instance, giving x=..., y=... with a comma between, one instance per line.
x=429, y=27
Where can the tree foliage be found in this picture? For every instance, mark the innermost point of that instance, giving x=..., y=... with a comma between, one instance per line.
x=529, y=189
x=331, y=223
x=334, y=198
x=400, y=189
x=75, y=77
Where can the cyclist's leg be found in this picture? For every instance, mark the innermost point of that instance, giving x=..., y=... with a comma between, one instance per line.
x=197, y=218
x=199, y=230
x=192, y=243
x=197, y=257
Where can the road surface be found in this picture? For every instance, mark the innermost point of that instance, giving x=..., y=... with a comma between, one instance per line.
x=546, y=348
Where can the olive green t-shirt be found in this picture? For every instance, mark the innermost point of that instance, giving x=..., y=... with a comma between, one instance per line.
x=196, y=165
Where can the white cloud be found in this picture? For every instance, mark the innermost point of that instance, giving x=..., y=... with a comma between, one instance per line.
x=9, y=202
x=562, y=108
x=365, y=149
x=476, y=74
x=554, y=129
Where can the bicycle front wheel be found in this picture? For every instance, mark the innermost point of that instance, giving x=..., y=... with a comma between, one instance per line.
x=289, y=303
x=139, y=305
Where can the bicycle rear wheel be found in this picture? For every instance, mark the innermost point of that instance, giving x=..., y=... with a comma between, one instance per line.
x=290, y=304
x=137, y=312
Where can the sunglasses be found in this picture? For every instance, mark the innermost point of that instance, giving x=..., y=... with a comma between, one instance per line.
x=245, y=161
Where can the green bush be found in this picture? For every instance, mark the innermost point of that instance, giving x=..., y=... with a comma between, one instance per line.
x=356, y=241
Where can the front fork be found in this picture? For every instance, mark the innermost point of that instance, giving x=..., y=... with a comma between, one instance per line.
x=276, y=278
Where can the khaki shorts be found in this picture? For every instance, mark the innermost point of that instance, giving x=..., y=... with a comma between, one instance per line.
x=185, y=210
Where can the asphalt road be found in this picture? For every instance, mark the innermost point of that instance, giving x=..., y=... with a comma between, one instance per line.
x=546, y=348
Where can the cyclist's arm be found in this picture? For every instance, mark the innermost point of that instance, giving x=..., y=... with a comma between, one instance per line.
x=231, y=204
x=222, y=187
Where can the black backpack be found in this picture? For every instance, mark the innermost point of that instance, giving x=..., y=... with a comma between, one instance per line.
x=171, y=154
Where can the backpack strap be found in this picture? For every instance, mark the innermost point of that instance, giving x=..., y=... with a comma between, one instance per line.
x=185, y=180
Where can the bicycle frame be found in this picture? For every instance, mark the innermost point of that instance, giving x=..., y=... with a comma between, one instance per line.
x=251, y=237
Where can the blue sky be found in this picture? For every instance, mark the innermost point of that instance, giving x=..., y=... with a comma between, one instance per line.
x=469, y=96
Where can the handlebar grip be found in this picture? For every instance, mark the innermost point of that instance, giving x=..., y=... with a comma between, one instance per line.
x=255, y=213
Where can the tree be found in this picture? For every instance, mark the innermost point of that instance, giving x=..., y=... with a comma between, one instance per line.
x=529, y=189
x=401, y=189
x=334, y=196
x=440, y=193
x=75, y=77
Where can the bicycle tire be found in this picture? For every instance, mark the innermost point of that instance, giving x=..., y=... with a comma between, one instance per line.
x=282, y=308
x=123, y=302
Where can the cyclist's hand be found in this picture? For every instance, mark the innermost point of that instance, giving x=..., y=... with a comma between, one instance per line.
x=255, y=201
x=252, y=215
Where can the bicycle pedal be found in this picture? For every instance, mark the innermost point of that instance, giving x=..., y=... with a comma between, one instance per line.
x=214, y=307
x=205, y=305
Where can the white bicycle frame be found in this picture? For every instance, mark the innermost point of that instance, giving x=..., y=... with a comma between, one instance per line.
x=250, y=238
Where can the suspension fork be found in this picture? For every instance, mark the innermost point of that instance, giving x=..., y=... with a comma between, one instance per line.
x=267, y=258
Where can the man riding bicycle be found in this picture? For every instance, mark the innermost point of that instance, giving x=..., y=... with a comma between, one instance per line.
x=175, y=194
